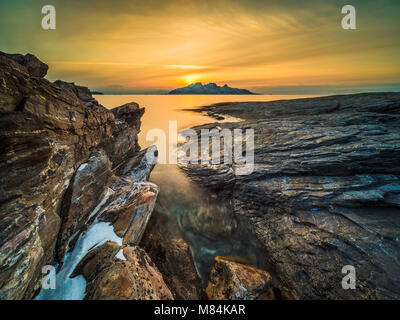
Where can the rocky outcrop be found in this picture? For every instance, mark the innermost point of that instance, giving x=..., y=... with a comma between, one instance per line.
x=130, y=209
x=96, y=260
x=109, y=278
x=127, y=200
x=324, y=192
x=81, y=92
x=173, y=257
x=85, y=191
x=232, y=280
x=33, y=65
x=59, y=151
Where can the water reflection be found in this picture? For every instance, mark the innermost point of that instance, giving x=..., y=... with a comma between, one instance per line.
x=204, y=220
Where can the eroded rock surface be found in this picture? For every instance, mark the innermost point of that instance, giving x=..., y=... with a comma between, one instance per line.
x=109, y=278
x=324, y=192
x=87, y=188
x=59, y=150
x=33, y=65
x=129, y=209
x=232, y=280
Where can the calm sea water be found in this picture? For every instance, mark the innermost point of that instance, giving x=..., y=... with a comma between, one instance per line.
x=204, y=220
x=160, y=109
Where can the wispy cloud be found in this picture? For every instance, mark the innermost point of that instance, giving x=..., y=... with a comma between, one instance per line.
x=162, y=44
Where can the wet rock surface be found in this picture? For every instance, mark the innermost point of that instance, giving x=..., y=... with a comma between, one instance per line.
x=59, y=150
x=173, y=257
x=324, y=192
x=232, y=280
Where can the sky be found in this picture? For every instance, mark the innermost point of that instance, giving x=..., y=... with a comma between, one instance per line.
x=153, y=46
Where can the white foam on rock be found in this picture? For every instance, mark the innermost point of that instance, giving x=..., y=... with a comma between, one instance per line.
x=120, y=255
x=82, y=166
x=74, y=288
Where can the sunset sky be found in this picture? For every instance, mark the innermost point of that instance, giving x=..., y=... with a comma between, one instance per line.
x=265, y=46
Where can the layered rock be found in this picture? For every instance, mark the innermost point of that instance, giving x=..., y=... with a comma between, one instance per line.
x=109, y=278
x=232, y=280
x=324, y=192
x=88, y=186
x=59, y=150
x=33, y=66
x=125, y=201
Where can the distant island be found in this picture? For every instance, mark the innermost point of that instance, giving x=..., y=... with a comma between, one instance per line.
x=210, y=88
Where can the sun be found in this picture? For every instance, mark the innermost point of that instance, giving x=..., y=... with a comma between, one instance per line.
x=190, y=78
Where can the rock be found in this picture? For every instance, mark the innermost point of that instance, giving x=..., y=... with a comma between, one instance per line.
x=135, y=278
x=378, y=103
x=83, y=93
x=85, y=191
x=217, y=178
x=125, y=142
x=139, y=167
x=324, y=193
x=96, y=260
x=21, y=251
x=46, y=133
x=130, y=210
x=173, y=258
x=231, y=280
x=33, y=65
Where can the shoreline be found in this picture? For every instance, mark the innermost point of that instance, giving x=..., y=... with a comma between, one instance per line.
x=312, y=200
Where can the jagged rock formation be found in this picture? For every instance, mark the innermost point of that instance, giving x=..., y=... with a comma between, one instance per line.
x=126, y=200
x=232, y=280
x=210, y=88
x=66, y=162
x=324, y=193
x=31, y=64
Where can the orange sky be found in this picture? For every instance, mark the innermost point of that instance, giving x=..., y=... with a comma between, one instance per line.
x=268, y=46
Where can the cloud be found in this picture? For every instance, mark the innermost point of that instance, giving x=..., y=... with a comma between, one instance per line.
x=157, y=43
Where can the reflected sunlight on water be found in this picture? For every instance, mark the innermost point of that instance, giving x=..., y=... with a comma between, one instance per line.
x=160, y=109
x=204, y=220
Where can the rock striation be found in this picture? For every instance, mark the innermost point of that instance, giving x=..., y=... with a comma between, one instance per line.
x=232, y=280
x=109, y=278
x=66, y=163
x=324, y=192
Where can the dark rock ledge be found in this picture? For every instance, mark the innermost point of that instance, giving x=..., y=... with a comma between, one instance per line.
x=65, y=162
x=324, y=193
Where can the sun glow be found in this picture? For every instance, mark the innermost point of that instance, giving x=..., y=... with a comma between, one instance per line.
x=156, y=46
x=191, y=78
